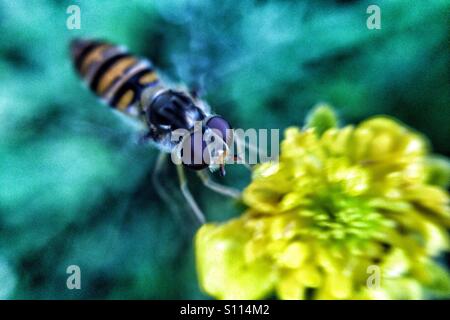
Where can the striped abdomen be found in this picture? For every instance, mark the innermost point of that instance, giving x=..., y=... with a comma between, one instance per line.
x=112, y=73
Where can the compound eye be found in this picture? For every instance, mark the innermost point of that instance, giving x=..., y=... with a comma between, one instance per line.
x=221, y=127
x=194, y=153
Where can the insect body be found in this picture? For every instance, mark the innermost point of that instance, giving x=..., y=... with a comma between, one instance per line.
x=131, y=85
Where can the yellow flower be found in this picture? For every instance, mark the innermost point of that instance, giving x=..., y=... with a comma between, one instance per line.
x=346, y=213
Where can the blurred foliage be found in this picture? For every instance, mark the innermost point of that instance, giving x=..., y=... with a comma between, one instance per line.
x=75, y=188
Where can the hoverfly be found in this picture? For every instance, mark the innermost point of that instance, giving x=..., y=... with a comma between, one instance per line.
x=131, y=85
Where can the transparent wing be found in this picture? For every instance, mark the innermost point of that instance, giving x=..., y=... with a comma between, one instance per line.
x=163, y=185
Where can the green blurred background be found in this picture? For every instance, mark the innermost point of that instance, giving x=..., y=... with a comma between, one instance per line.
x=75, y=188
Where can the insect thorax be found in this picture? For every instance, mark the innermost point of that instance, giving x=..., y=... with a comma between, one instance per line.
x=167, y=110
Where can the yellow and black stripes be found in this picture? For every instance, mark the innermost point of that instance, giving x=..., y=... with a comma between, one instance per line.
x=112, y=73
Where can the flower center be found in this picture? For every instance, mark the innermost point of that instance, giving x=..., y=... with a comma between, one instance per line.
x=341, y=217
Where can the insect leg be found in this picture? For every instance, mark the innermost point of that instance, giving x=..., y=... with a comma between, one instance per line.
x=156, y=180
x=195, y=93
x=241, y=152
x=188, y=196
x=217, y=187
x=144, y=138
